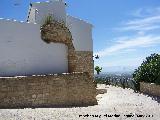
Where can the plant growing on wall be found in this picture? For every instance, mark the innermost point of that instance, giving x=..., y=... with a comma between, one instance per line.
x=48, y=20
x=52, y=30
x=98, y=69
x=149, y=71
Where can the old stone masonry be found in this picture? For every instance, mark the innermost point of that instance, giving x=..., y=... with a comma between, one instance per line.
x=50, y=64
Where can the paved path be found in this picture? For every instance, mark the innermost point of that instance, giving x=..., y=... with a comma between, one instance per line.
x=117, y=101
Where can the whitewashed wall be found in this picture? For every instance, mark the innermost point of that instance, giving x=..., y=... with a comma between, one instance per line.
x=32, y=13
x=43, y=9
x=22, y=52
x=81, y=33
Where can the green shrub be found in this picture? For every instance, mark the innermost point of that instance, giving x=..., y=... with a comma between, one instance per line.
x=149, y=71
x=48, y=20
x=98, y=69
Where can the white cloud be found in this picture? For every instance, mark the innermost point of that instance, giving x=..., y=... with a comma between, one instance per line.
x=134, y=42
x=145, y=21
x=143, y=24
x=138, y=12
x=146, y=12
x=129, y=50
x=140, y=27
x=141, y=33
x=148, y=19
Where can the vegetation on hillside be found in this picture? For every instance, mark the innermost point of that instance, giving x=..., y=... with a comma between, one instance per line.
x=124, y=81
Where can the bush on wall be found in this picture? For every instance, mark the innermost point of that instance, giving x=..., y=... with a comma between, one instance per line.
x=149, y=70
x=50, y=29
x=48, y=20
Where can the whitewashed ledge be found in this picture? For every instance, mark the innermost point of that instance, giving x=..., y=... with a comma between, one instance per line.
x=42, y=75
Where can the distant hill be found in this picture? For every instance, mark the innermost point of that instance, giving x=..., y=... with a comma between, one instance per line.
x=119, y=69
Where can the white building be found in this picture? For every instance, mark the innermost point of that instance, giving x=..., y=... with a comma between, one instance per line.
x=23, y=52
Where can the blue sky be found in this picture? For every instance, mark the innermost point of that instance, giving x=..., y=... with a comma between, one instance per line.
x=124, y=32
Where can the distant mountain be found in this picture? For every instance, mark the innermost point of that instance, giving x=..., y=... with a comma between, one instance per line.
x=119, y=69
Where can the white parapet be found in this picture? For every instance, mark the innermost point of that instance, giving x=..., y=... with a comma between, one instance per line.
x=23, y=52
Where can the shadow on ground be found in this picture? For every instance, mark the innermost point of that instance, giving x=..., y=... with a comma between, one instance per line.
x=156, y=98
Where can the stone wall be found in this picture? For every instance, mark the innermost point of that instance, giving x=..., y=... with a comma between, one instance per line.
x=151, y=89
x=81, y=61
x=78, y=61
x=75, y=89
x=56, y=32
x=84, y=62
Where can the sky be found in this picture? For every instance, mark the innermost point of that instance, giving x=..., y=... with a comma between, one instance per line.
x=125, y=32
